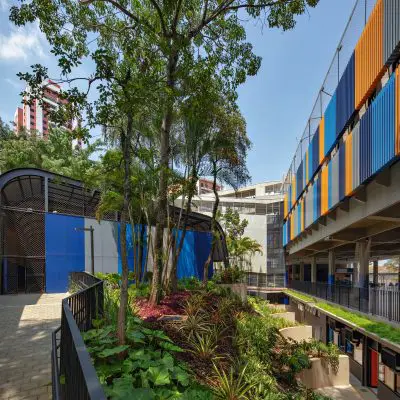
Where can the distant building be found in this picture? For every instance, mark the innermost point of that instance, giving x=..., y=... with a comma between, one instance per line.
x=205, y=186
x=262, y=206
x=35, y=117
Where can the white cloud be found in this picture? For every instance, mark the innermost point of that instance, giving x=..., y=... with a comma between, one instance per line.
x=22, y=43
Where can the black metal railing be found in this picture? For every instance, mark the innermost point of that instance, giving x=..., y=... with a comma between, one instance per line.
x=73, y=374
x=382, y=302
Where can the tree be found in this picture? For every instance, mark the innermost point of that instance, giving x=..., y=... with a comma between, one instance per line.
x=5, y=131
x=228, y=148
x=168, y=38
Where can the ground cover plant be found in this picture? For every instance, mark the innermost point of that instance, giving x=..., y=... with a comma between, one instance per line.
x=383, y=330
x=215, y=347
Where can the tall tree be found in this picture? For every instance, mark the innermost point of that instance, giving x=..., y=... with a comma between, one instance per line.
x=228, y=146
x=178, y=33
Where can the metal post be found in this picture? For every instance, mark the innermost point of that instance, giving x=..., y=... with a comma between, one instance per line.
x=46, y=194
x=92, y=247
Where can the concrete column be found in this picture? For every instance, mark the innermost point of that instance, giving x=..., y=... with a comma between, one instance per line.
x=375, y=273
x=364, y=248
x=331, y=267
x=356, y=271
x=314, y=270
x=301, y=266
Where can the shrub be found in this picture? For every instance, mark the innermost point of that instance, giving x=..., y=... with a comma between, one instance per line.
x=229, y=275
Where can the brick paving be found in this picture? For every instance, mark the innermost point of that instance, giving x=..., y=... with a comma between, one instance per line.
x=26, y=323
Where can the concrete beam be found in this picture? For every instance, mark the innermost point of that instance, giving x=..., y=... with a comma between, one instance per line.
x=383, y=178
x=361, y=195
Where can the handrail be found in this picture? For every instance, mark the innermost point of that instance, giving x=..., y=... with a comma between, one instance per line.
x=71, y=362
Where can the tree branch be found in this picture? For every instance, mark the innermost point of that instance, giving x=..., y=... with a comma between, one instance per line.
x=160, y=16
x=177, y=12
x=124, y=11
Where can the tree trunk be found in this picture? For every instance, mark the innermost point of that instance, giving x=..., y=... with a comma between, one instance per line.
x=140, y=254
x=123, y=303
x=213, y=226
x=178, y=249
x=162, y=200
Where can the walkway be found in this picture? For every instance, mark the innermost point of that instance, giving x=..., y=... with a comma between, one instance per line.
x=354, y=391
x=26, y=323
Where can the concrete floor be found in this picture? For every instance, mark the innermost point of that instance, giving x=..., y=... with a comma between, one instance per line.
x=354, y=391
x=26, y=323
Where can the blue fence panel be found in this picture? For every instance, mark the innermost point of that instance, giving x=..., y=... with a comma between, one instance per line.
x=330, y=205
x=315, y=151
x=330, y=125
x=345, y=97
x=383, y=126
x=65, y=250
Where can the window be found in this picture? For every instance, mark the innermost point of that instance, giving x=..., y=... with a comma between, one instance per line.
x=389, y=377
x=398, y=382
x=349, y=347
x=358, y=353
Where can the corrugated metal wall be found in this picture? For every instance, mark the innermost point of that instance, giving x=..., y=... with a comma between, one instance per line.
x=342, y=172
x=356, y=156
x=345, y=97
x=369, y=56
x=397, y=102
x=365, y=145
x=324, y=190
x=391, y=30
x=349, y=164
x=321, y=141
x=335, y=179
x=383, y=121
x=330, y=125
x=299, y=179
x=373, y=142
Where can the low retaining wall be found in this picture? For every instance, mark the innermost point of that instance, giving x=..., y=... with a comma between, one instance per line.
x=239, y=288
x=288, y=316
x=297, y=333
x=321, y=375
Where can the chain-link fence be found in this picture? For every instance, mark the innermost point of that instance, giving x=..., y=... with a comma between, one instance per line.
x=355, y=25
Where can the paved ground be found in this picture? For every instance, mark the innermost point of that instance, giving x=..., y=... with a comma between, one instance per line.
x=26, y=323
x=354, y=391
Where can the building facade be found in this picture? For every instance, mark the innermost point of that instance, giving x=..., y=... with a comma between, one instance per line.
x=35, y=117
x=262, y=206
x=205, y=186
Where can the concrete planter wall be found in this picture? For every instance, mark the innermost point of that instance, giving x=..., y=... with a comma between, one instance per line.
x=239, y=288
x=297, y=333
x=321, y=375
x=288, y=316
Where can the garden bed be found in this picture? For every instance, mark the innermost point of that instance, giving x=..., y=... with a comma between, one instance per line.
x=219, y=348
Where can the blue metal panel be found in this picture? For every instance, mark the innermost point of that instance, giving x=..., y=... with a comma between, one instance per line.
x=366, y=146
x=345, y=97
x=319, y=195
x=330, y=125
x=194, y=254
x=315, y=151
x=315, y=201
x=310, y=161
x=299, y=179
x=383, y=122
x=298, y=219
x=304, y=173
x=342, y=172
x=330, y=204
x=65, y=250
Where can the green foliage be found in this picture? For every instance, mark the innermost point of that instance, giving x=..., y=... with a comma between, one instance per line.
x=191, y=283
x=144, y=368
x=204, y=345
x=229, y=275
x=262, y=306
x=381, y=329
x=56, y=154
x=232, y=385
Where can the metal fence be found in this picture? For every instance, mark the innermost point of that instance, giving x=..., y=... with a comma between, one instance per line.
x=73, y=375
x=382, y=302
x=261, y=280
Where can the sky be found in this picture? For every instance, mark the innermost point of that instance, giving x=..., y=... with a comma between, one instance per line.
x=276, y=103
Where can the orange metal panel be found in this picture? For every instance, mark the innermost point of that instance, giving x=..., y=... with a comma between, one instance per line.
x=285, y=205
x=369, y=56
x=349, y=164
x=321, y=140
x=324, y=190
x=294, y=196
